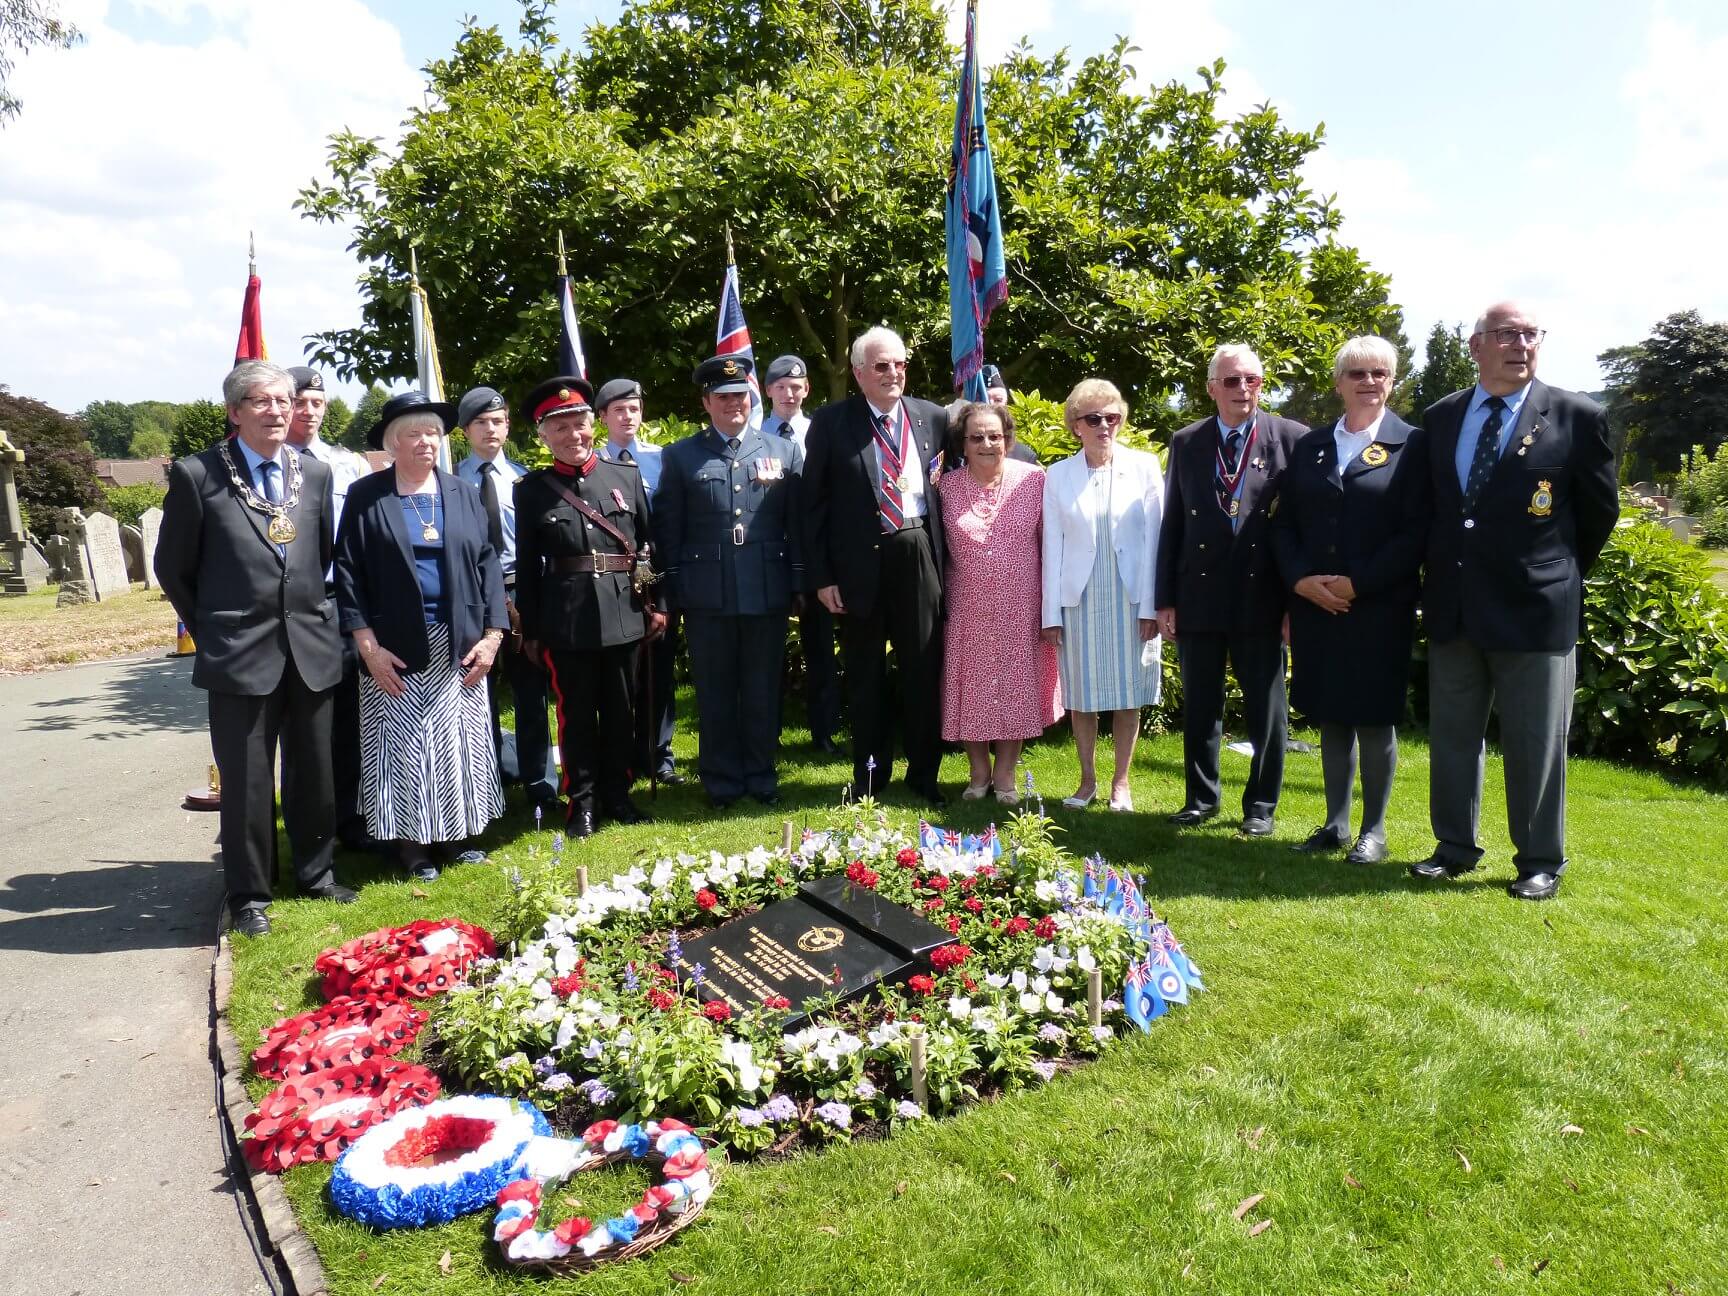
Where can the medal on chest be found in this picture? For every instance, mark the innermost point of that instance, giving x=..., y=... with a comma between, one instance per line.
x=281, y=529
x=1375, y=455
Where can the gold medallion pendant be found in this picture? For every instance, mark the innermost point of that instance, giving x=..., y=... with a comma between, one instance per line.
x=282, y=529
x=1235, y=507
x=1542, y=502
x=429, y=533
x=1375, y=455
x=903, y=482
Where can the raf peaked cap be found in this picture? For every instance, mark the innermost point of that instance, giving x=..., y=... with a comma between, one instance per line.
x=617, y=389
x=563, y=395
x=306, y=379
x=475, y=402
x=724, y=373
x=786, y=366
x=411, y=402
x=993, y=377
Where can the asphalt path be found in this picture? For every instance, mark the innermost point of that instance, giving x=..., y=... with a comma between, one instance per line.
x=112, y=1177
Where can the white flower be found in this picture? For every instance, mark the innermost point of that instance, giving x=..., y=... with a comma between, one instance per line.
x=886, y=1034
x=1018, y=980
x=1083, y=959
x=698, y=881
x=996, y=980
x=566, y=1033
x=1052, y=1001
x=1040, y=984
x=757, y=862
x=959, y=1008
x=1046, y=892
x=738, y=1056
x=661, y=877
x=593, y=1050
x=1030, y=1003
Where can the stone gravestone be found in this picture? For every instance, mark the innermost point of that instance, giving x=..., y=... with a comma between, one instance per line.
x=150, y=527
x=56, y=551
x=132, y=545
x=75, y=584
x=15, y=570
x=107, y=557
x=832, y=938
x=1682, y=527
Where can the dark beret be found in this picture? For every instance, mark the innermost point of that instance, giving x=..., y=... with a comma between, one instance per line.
x=617, y=389
x=786, y=366
x=306, y=379
x=475, y=402
x=993, y=377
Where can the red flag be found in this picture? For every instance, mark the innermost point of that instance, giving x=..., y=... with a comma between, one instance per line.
x=251, y=344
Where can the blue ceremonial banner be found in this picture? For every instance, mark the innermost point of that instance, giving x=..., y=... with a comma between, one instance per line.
x=732, y=334
x=571, y=359
x=977, y=272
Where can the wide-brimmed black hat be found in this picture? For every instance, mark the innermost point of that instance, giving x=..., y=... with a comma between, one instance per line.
x=411, y=402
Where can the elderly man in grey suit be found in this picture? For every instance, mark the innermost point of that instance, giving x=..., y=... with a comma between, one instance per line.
x=1525, y=496
x=247, y=534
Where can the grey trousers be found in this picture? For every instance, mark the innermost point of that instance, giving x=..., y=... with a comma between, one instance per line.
x=735, y=663
x=1532, y=694
x=1339, y=744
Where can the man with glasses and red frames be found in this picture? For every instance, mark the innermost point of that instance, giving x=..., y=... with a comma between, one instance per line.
x=1218, y=592
x=1525, y=496
x=873, y=556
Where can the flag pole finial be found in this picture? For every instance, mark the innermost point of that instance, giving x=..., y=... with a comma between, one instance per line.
x=730, y=259
x=413, y=266
x=251, y=253
x=563, y=268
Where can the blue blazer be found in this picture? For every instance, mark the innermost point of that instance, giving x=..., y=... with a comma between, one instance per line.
x=376, y=585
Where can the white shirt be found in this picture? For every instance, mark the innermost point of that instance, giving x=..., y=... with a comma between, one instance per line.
x=508, y=474
x=1351, y=444
x=912, y=498
x=345, y=467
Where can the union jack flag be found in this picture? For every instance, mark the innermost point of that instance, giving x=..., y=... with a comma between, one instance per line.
x=732, y=334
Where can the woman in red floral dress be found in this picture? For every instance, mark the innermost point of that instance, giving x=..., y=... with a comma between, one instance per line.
x=999, y=684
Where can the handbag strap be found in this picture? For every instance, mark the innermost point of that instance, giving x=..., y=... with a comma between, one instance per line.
x=593, y=515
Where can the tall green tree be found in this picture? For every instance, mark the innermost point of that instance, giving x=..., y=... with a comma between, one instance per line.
x=198, y=425
x=337, y=417
x=1669, y=392
x=1142, y=229
x=359, y=428
x=26, y=25
x=1446, y=368
x=58, y=472
x=150, y=440
x=111, y=425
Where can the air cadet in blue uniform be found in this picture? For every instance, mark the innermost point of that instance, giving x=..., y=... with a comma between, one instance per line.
x=727, y=542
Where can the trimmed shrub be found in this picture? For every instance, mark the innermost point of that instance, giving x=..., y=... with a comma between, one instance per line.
x=129, y=503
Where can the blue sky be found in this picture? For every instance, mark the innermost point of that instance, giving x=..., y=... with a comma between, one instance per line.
x=1574, y=155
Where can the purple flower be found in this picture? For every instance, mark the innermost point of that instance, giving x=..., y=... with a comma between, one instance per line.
x=631, y=982
x=1102, y=1034
x=1045, y=1070
x=545, y=1066
x=596, y=1092
x=536, y=818
x=696, y=975
x=1051, y=1033
x=557, y=1082
x=866, y=1091
x=837, y=1114
x=674, y=949
x=557, y=844
x=1110, y=1005
x=780, y=1109
x=1028, y=780
x=908, y=1110
x=748, y=1117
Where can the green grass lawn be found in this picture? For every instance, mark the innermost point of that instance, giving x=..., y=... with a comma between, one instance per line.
x=1719, y=564
x=1392, y=1064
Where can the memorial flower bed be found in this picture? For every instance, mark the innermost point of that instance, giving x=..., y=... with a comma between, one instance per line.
x=588, y=1018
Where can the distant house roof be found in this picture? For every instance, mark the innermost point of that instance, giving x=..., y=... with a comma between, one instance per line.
x=133, y=472
x=377, y=458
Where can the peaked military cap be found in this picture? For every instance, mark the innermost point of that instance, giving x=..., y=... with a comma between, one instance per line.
x=566, y=394
x=724, y=373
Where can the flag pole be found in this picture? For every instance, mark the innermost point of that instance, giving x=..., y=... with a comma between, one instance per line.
x=251, y=254
x=731, y=260
x=563, y=267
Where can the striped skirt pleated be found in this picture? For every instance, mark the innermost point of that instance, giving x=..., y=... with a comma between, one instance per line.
x=428, y=770
x=1105, y=666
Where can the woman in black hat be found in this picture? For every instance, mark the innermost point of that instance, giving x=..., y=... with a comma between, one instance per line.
x=421, y=590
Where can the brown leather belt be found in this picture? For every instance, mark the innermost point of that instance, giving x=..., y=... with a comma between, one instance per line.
x=593, y=563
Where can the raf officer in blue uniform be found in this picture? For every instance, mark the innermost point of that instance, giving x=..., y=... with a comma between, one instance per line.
x=727, y=543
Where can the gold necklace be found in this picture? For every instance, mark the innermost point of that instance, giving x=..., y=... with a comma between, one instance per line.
x=281, y=529
x=428, y=532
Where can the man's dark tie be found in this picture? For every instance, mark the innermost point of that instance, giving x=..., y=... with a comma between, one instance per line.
x=1486, y=456
x=272, y=491
x=494, y=514
x=1232, y=450
x=624, y=456
x=732, y=445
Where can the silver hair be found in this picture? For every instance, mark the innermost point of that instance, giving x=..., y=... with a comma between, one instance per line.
x=1508, y=307
x=1232, y=351
x=1364, y=350
x=870, y=337
x=408, y=422
x=246, y=375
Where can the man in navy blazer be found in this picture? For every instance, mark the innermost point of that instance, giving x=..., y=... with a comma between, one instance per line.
x=246, y=540
x=1218, y=592
x=873, y=556
x=1525, y=496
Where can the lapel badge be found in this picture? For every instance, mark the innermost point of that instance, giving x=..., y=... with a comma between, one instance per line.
x=618, y=499
x=1375, y=455
x=1542, y=502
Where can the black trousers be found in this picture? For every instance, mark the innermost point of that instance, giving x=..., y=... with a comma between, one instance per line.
x=821, y=670
x=736, y=662
x=345, y=749
x=592, y=692
x=908, y=599
x=533, y=735
x=1258, y=660
x=245, y=735
x=656, y=717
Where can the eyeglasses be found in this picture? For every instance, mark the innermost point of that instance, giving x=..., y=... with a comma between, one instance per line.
x=1097, y=419
x=1357, y=375
x=262, y=403
x=1507, y=336
x=889, y=366
x=985, y=438
x=1250, y=381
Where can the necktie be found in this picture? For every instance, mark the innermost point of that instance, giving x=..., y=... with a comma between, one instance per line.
x=272, y=491
x=624, y=456
x=732, y=445
x=890, y=450
x=1232, y=450
x=1486, y=456
x=494, y=514
x=1231, y=461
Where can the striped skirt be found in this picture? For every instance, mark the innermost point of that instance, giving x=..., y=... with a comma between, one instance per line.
x=1105, y=666
x=428, y=771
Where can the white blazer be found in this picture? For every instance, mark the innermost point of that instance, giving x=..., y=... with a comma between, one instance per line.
x=1070, y=527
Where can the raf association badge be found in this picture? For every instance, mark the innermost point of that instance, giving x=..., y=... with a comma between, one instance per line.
x=1542, y=502
x=1375, y=455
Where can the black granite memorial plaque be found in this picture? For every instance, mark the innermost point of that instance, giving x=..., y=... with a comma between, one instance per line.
x=831, y=938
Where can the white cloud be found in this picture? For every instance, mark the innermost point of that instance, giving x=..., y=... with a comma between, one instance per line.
x=137, y=170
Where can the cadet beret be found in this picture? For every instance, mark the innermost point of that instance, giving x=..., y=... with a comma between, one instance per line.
x=566, y=394
x=306, y=379
x=410, y=402
x=475, y=402
x=617, y=389
x=993, y=377
x=786, y=366
x=724, y=373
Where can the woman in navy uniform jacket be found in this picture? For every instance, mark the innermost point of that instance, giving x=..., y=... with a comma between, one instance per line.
x=1349, y=529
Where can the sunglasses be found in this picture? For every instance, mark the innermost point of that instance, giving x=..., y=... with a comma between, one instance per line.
x=1357, y=375
x=1250, y=381
x=1097, y=419
x=889, y=366
x=985, y=438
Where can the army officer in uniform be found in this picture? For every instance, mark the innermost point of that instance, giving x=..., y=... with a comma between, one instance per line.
x=582, y=548
x=725, y=523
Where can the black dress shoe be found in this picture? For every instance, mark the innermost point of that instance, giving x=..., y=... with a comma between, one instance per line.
x=1367, y=850
x=1319, y=841
x=359, y=841
x=670, y=777
x=827, y=746
x=1256, y=826
x=252, y=921
x=1536, y=886
x=928, y=793
x=625, y=812
x=1191, y=816
x=427, y=872
x=1438, y=866
x=333, y=891
x=769, y=799
x=722, y=804
x=580, y=823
